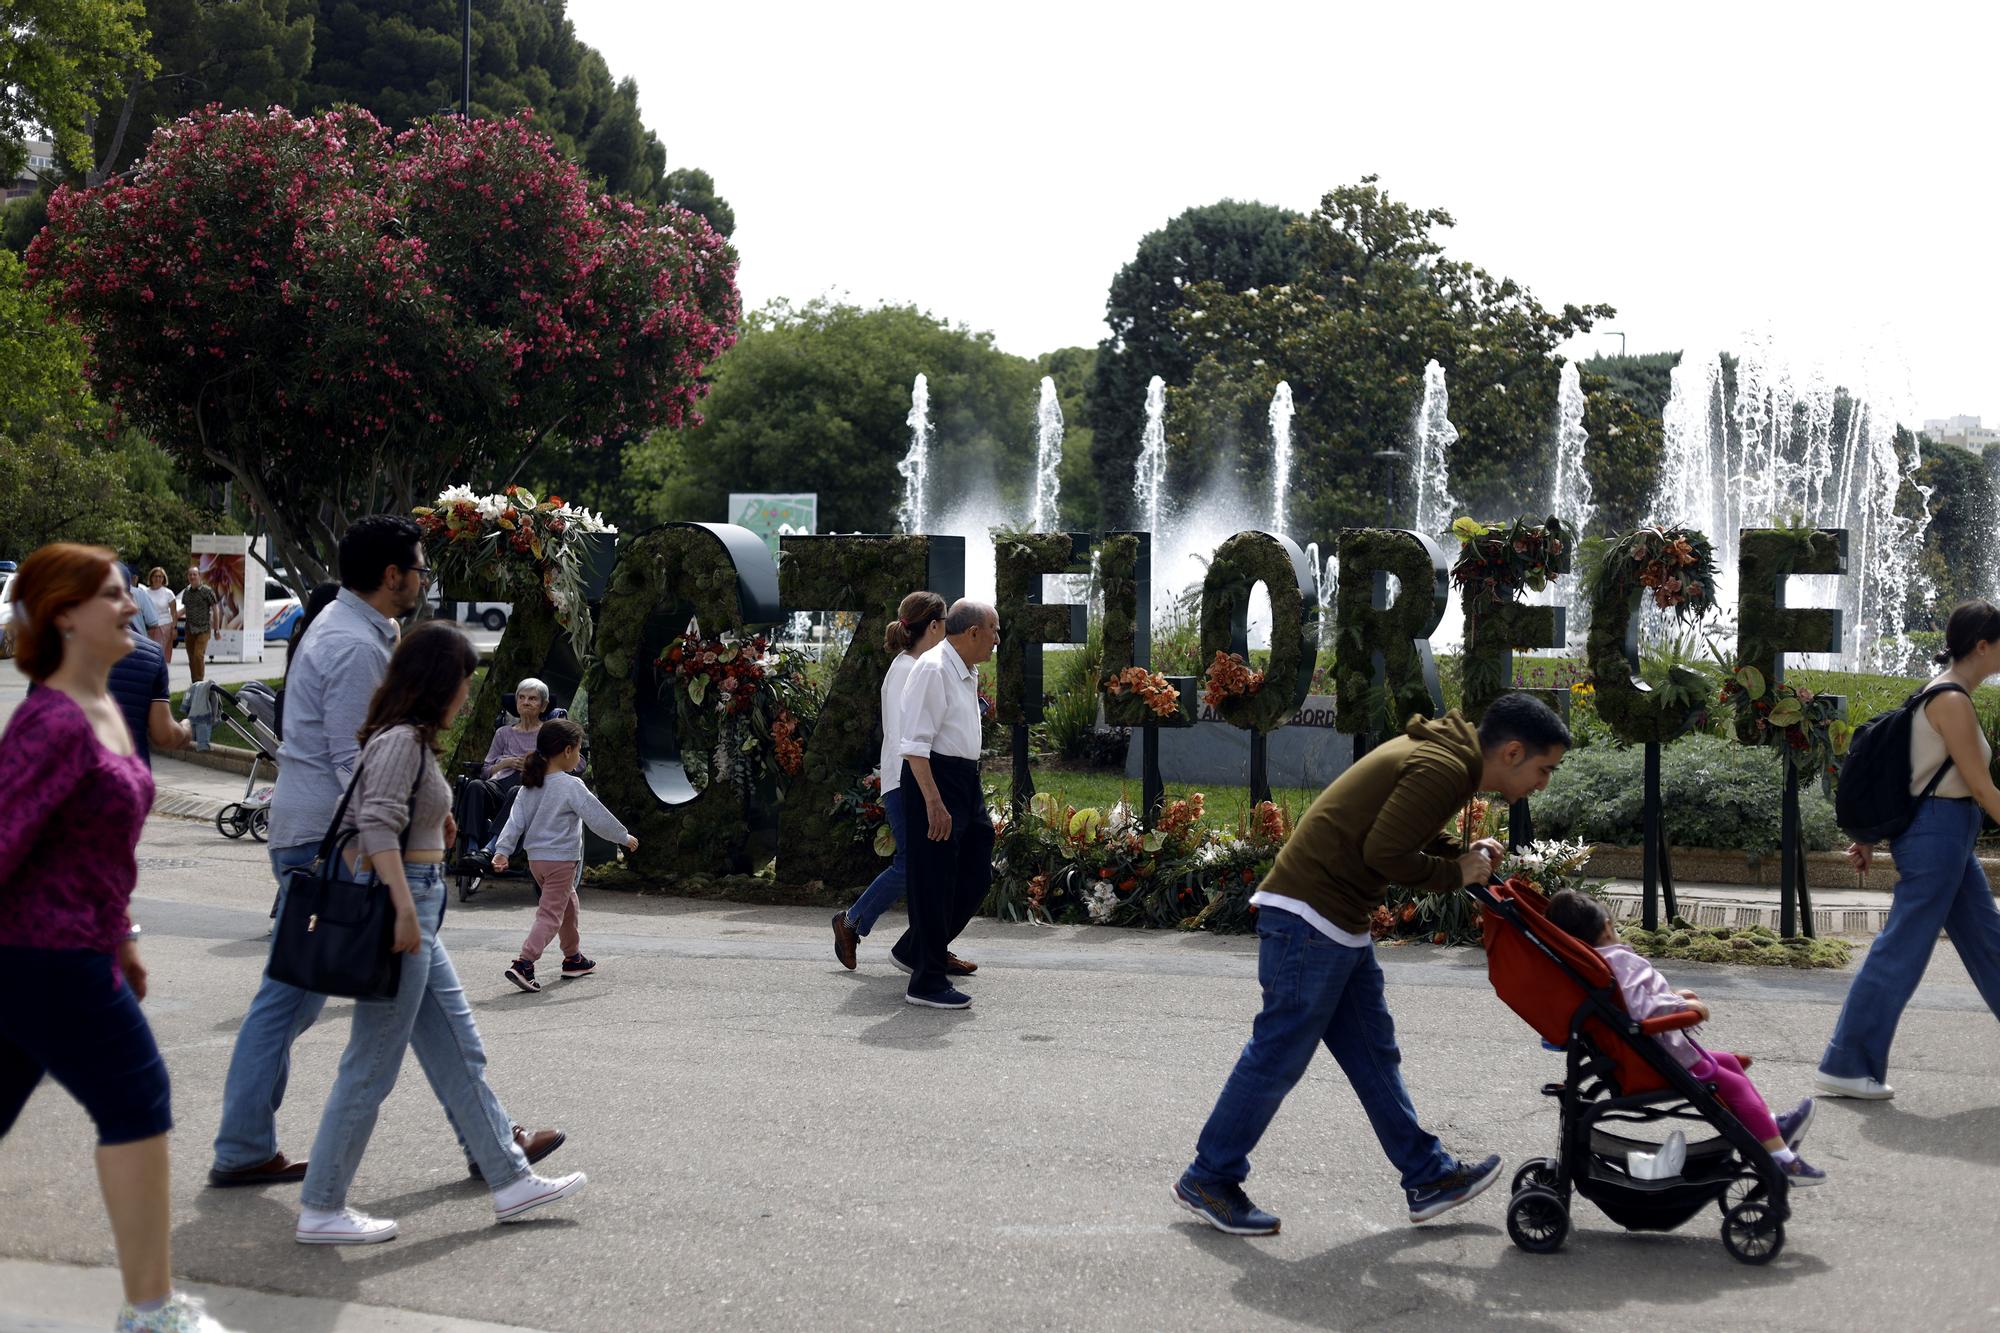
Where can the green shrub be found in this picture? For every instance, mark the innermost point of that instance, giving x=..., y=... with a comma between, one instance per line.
x=1717, y=794
x=1070, y=717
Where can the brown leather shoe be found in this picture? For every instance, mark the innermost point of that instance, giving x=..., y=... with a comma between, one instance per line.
x=845, y=941
x=954, y=966
x=533, y=1146
x=280, y=1170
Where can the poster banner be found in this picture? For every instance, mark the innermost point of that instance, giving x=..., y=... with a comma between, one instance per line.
x=238, y=618
x=766, y=515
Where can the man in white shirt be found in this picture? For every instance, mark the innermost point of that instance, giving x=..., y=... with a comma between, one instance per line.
x=948, y=833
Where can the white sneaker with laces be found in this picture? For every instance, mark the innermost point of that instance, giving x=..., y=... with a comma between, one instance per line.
x=515, y=1201
x=181, y=1314
x=345, y=1227
x=1864, y=1089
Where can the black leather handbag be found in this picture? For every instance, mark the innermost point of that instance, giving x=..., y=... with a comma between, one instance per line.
x=335, y=936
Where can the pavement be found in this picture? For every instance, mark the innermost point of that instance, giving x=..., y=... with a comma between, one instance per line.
x=774, y=1142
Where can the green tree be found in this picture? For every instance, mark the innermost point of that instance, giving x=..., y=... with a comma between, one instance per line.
x=59, y=60
x=1375, y=300
x=817, y=398
x=1233, y=245
x=239, y=53
x=694, y=189
x=1622, y=455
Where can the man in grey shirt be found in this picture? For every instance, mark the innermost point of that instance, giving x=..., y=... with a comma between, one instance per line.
x=340, y=661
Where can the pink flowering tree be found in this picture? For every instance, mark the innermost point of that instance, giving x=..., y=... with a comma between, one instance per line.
x=340, y=320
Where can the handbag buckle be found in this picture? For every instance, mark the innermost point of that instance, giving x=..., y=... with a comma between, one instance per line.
x=312, y=922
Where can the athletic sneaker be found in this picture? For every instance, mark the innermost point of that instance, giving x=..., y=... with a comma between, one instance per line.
x=1865, y=1088
x=1224, y=1207
x=345, y=1227
x=522, y=973
x=940, y=999
x=1449, y=1191
x=515, y=1201
x=576, y=965
x=1801, y=1172
x=181, y=1314
x=1793, y=1123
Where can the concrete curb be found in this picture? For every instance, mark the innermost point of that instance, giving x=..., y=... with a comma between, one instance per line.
x=177, y=804
x=63, y=1298
x=1737, y=913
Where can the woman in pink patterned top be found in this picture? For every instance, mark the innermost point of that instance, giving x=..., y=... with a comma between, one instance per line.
x=76, y=795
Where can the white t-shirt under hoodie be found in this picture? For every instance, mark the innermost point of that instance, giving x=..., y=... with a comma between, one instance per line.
x=893, y=682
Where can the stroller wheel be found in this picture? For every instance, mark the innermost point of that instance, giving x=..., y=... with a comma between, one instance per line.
x=1538, y=1220
x=231, y=821
x=1740, y=1190
x=1539, y=1172
x=1752, y=1233
x=260, y=823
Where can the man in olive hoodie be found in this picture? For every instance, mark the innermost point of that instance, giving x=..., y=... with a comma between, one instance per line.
x=1380, y=823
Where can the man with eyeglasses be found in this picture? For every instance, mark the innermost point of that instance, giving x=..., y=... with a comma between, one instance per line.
x=328, y=684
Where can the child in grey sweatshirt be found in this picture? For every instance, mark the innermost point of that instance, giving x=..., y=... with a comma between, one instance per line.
x=548, y=817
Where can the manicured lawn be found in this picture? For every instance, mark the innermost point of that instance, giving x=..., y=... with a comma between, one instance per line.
x=1224, y=806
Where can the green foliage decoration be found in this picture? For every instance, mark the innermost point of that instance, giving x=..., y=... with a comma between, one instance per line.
x=1758, y=946
x=663, y=577
x=866, y=577
x=1239, y=564
x=1118, y=583
x=1495, y=564
x=1378, y=699
x=1676, y=568
x=1766, y=628
x=1020, y=559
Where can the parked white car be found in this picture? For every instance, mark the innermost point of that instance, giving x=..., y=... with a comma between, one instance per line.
x=491, y=615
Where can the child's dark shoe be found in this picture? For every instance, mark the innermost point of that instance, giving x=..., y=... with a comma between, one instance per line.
x=1801, y=1172
x=576, y=965
x=522, y=973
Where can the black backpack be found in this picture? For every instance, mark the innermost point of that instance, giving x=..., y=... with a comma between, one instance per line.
x=1873, y=801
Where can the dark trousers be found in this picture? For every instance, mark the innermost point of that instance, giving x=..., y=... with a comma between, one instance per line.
x=947, y=879
x=483, y=807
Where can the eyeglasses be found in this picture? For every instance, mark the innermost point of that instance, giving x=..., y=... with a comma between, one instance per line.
x=423, y=572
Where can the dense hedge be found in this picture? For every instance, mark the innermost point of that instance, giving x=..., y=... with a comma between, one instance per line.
x=1399, y=635
x=1717, y=794
x=867, y=577
x=1020, y=559
x=1240, y=563
x=663, y=578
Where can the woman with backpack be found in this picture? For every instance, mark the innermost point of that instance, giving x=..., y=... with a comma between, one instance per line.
x=1939, y=882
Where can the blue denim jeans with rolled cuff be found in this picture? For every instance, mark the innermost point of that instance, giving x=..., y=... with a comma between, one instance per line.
x=429, y=1015
x=1316, y=990
x=888, y=887
x=261, y=1062
x=1940, y=886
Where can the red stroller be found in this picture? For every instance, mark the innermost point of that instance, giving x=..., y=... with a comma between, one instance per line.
x=1617, y=1074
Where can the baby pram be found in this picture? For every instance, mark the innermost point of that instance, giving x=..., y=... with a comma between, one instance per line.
x=253, y=710
x=1617, y=1074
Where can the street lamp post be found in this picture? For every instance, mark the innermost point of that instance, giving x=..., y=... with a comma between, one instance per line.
x=465, y=62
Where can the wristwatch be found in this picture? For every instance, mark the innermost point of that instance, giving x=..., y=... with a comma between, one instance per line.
x=131, y=932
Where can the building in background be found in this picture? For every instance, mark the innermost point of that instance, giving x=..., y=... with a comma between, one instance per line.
x=1966, y=432
x=40, y=166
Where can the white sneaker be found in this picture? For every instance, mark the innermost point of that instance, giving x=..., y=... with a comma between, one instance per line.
x=181, y=1314
x=515, y=1201
x=345, y=1227
x=1865, y=1089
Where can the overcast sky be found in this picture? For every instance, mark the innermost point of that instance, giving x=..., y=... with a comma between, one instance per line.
x=1823, y=173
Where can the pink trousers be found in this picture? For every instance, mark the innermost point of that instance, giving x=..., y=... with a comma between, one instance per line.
x=1736, y=1092
x=555, y=916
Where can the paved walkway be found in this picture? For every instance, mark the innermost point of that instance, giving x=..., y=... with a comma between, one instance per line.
x=774, y=1142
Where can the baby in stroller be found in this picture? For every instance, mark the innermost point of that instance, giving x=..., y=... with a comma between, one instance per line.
x=1647, y=993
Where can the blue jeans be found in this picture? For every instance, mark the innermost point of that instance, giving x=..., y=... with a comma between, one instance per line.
x=1939, y=886
x=887, y=890
x=431, y=1016
x=262, y=1060
x=1315, y=990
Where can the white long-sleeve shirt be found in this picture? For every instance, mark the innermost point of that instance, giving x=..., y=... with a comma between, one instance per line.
x=549, y=819
x=941, y=706
x=893, y=681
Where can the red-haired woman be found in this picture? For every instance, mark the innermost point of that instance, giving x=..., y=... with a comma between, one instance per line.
x=76, y=796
